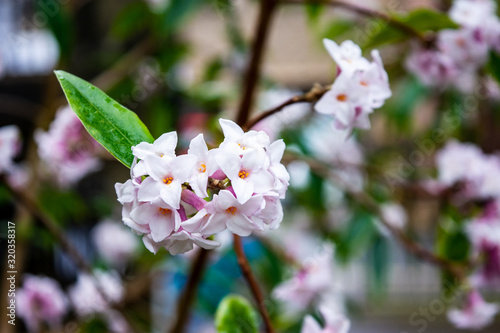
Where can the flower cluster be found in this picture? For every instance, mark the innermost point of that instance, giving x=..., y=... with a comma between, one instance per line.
x=360, y=87
x=67, y=150
x=484, y=234
x=464, y=167
x=167, y=198
x=459, y=53
x=41, y=300
x=476, y=314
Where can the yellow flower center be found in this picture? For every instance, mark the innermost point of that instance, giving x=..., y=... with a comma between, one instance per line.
x=164, y=211
x=243, y=174
x=203, y=168
x=342, y=97
x=231, y=210
x=168, y=180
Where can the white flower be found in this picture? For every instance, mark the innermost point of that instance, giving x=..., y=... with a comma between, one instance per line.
x=165, y=178
x=163, y=147
x=472, y=13
x=360, y=87
x=240, y=142
x=249, y=173
x=347, y=56
x=226, y=211
x=203, y=168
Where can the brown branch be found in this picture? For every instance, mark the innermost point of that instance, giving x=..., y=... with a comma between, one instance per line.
x=366, y=12
x=252, y=282
x=324, y=170
x=311, y=97
x=186, y=298
x=252, y=74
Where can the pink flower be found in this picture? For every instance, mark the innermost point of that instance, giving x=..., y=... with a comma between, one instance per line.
x=484, y=234
x=115, y=243
x=476, y=314
x=334, y=322
x=41, y=300
x=85, y=295
x=226, y=211
x=466, y=165
x=312, y=280
x=431, y=67
x=204, y=166
x=67, y=150
x=10, y=144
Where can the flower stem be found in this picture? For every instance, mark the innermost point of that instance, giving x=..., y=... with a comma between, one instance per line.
x=186, y=298
x=252, y=282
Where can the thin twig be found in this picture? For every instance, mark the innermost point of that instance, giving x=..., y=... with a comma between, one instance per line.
x=366, y=12
x=457, y=269
x=252, y=282
x=252, y=74
x=312, y=96
x=186, y=298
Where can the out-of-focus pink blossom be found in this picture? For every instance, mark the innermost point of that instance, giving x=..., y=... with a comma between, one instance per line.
x=313, y=279
x=467, y=165
x=334, y=322
x=115, y=243
x=431, y=67
x=87, y=299
x=476, y=313
x=484, y=234
x=41, y=300
x=68, y=152
x=10, y=144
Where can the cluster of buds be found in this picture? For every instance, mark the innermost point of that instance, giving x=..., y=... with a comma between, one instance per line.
x=360, y=87
x=177, y=201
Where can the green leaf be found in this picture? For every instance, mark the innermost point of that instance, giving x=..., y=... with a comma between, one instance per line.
x=115, y=127
x=359, y=234
x=314, y=11
x=422, y=20
x=337, y=28
x=493, y=66
x=236, y=315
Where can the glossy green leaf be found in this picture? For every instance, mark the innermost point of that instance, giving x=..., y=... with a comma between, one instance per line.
x=235, y=314
x=115, y=127
x=422, y=20
x=337, y=28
